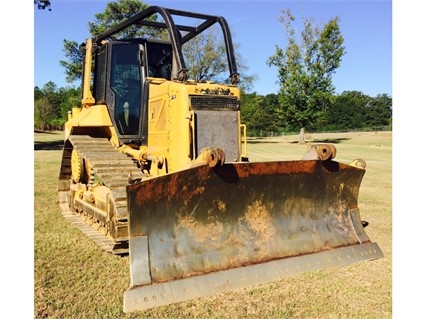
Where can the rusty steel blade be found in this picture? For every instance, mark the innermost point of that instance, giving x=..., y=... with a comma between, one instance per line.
x=208, y=220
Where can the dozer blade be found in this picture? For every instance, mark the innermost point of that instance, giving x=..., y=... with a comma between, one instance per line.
x=207, y=230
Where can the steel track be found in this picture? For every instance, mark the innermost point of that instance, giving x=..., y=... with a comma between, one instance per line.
x=111, y=168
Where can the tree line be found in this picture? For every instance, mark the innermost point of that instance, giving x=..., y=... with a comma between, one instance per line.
x=350, y=110
x=51, y=105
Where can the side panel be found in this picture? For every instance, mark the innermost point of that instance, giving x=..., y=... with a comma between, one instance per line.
x=158, y=122
x=169, y=124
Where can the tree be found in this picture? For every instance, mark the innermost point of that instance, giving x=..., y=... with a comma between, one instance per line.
x=38, y=94
x=378, y=111
x=305, y=69
x=73, y=67
x=259, y=112
x=43, y=4
x=115, y=12
x=206, y=59
x=67, y=98
x=204, y=56
x=51, y=105
x=348, y=111
x=44, y=113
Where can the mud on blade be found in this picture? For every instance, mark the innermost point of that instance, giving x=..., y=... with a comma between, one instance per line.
x=205, y=221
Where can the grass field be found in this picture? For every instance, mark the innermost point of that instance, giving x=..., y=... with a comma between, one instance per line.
x=73, y=278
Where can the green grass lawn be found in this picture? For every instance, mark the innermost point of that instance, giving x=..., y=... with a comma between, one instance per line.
x=73, y=278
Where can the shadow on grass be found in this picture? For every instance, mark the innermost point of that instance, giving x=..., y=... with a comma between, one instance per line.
x=326, y=140
x=261, y=142
x=53, y=145
x=48, y=146
x=45, y=132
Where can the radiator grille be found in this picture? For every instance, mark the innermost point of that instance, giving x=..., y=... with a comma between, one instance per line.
x=202, y=102
x=217, y=129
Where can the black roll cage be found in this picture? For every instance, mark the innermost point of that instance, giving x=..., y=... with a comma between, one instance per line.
x=176, y=38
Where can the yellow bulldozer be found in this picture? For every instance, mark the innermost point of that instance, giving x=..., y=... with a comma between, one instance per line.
x=155, y=168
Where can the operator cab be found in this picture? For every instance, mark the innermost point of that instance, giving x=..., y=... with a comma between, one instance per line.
x=120, y=82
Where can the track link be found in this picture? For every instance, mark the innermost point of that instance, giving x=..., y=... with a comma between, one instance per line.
x=109, y=167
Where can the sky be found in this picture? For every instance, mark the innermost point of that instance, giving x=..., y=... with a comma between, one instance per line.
x=366, y=27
